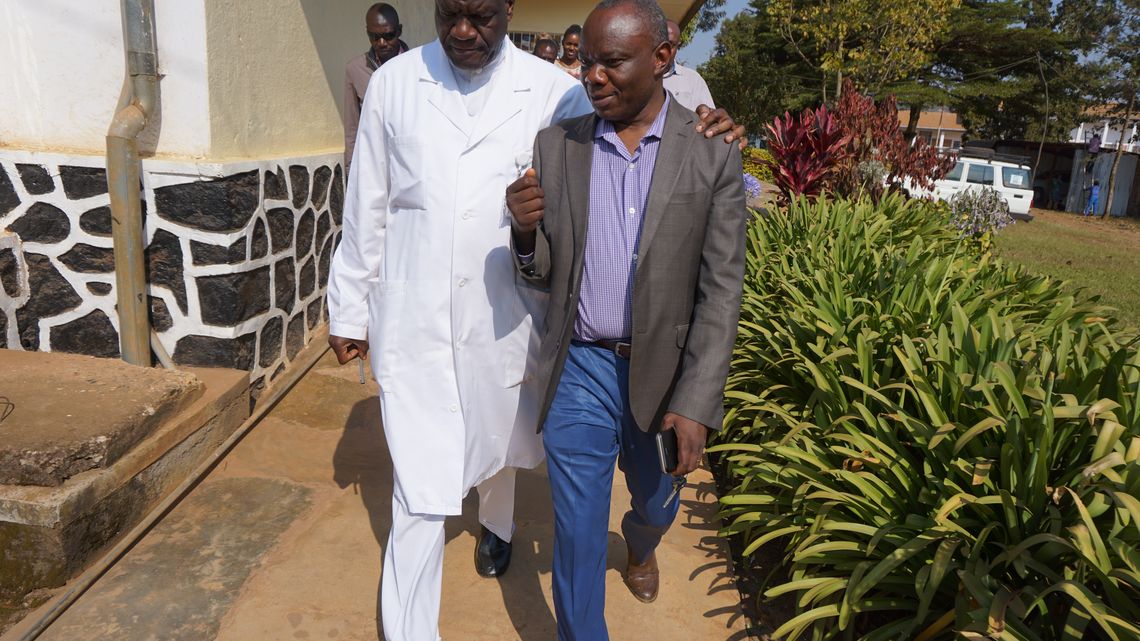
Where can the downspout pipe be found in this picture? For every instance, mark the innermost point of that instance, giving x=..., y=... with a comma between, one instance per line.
x=136, y=106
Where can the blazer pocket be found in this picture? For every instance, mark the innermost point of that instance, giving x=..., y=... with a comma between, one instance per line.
x=682, y=335
x=406, y=173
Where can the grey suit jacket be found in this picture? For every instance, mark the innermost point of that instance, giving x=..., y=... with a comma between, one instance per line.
x=687, y=287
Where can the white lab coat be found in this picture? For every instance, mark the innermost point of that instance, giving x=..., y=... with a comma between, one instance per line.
x=424, y=268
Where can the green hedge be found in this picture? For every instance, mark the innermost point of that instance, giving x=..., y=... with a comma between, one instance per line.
x=942, y=446
x=753, y=164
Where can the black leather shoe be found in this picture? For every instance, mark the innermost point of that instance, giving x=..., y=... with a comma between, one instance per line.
x=492, y=555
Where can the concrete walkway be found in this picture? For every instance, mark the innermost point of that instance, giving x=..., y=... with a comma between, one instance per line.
x=284, y=541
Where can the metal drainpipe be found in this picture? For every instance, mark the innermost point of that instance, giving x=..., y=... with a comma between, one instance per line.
x=140, y=94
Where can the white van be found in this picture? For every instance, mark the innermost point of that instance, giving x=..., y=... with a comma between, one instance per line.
x=978, y=168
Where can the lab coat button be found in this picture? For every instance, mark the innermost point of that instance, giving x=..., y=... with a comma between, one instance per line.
x=454, y=408
x=462, y=282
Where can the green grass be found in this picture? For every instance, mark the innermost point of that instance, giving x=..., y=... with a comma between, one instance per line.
x=1102, y=257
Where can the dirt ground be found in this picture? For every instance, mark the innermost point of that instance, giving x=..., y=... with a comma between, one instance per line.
x=284, y=541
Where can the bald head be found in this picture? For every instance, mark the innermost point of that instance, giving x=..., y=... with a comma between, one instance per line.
x=546, y=49
x=647, y=12
x=384, y=10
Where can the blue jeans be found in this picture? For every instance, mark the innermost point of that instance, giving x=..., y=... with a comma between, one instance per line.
x=589, y=426
x=1090, y=209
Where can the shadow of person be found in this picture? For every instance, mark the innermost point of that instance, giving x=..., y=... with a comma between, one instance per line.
x=531, y=555
x=362, y=461
x=700, y=513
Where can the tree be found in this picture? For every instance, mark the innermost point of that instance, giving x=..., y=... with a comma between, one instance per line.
x=1122, y=57
x=874, y=42
x=1003, y=57
x=754, y=74
x=978, y=57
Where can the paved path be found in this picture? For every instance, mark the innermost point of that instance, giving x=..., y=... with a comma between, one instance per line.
x=284, y=541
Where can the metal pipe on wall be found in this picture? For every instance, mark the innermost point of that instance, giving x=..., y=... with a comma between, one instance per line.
x=140, y=96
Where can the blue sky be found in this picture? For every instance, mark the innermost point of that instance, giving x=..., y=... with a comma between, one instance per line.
x=699, y=50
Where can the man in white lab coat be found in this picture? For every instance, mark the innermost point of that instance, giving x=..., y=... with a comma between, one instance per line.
x=424, y=284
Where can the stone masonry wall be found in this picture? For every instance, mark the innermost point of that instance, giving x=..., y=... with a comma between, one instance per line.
x=237, y=257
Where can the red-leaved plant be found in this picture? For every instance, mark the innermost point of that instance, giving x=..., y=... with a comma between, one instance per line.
x=805, y=152
x=856, y=150
x=879, y=156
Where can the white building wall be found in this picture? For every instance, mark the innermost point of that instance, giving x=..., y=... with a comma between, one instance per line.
x=63, y=73
x=240, y=78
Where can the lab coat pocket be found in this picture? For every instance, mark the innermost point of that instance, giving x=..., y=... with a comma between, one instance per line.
x=386, y=302
x=406, y=173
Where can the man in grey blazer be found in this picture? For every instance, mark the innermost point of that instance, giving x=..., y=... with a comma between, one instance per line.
x=635, y=224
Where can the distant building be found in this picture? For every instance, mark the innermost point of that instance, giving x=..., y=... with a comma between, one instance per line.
x=939, y=127
x=1106, y=122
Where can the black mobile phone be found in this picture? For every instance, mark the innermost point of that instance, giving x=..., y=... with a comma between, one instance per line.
x=667, y=450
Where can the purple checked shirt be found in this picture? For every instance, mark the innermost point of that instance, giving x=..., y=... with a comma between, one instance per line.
x=619, y=191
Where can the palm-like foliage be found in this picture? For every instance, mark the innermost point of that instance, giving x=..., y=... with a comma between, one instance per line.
x=943, y=446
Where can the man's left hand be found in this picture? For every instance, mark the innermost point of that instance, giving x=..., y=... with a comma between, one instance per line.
x=691, y=439
x=717, y=121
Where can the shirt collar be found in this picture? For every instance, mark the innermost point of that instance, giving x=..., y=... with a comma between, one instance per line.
x=605, y=128
x=374, y=61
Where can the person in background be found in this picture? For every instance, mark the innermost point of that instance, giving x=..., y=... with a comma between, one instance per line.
x=569, y=61
x=686, y=85
x=1094, y=198
x=635, y=225
x=382, y=24
x=1056, y=187
x=546, y=49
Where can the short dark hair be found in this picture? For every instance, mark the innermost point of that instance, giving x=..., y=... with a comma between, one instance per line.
x=572, y=30
x=546, y=42
x=386, y=10
x=648, y=11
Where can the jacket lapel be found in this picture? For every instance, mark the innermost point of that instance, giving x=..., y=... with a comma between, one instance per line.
x=444, y=96
x=676, y=141
x=577, y=165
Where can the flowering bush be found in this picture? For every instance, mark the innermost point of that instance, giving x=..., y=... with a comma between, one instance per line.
x=754, y=160
x=978, y=214
x=751, y=185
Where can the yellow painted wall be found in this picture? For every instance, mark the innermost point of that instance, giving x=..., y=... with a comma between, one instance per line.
x=276, y=71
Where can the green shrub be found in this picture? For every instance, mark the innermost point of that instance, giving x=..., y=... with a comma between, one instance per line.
x=942, y=446
x=753, y=164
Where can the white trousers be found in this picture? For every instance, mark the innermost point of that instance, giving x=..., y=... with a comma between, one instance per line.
x=413, y=561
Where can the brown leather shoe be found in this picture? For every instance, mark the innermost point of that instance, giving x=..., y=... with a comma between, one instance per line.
x=643, y=580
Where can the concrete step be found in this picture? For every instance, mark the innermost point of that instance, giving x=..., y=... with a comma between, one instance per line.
x=72, y=413
x=49, y=533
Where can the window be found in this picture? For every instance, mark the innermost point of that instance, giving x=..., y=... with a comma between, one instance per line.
x=1015, y=177
x=524, y=41
x=981, y=175
x=955, y=173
